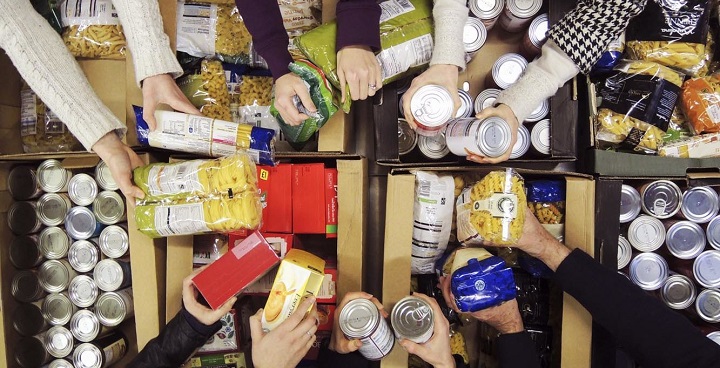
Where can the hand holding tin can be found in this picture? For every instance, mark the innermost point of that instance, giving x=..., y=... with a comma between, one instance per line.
x=504, y=113
x=432, y=325
x=432, y=99
x=339, y=341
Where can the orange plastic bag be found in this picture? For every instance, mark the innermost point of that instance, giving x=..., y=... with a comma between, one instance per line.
x=701, y=103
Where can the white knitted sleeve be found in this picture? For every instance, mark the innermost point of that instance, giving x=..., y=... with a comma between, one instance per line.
x=42, y=59
x=449, y=17
x=149, y=45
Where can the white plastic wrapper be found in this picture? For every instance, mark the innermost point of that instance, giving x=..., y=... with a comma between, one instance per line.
x=433, y=214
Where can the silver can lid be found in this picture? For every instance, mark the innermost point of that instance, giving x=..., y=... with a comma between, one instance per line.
x=714, y=336
x=538, y=30
x=83, y=255
x=540, y=136
x=85, y=325
x=31, y=352
x=104, y=177
x=646, y=234
x=83, y=291
x=524, y=8
x=486, y=9
x=432, y=105
x=25, y=287
x=54, y=243
x=629, y=204
x=522, y=145
x=87, y=356
x=28, y=319
x=493, y=137
x=82, y=189
x=700, y=204
x=433, y=147
x=539, y=113
x=412, y=318
x=407, y=138
x=486, y=99
x=508, y=69
x=111, y=309
x=54, y=275
x=706, y=269
x=713, y=232
x=474, y=35
x=24, y=252
x=109, y=208
x=678, y=292
x=114, y=241
x=60, y=363
x=57, y=309
x=661, y=199
x=466, y=105
x=52, y=208
x=648, y=271
x=23, y=218
x=359, y=318
x=59, y=341
x=52, y=176
x=108, y=275
x=685, y=239
x=624, y=254
x=80, y=223
x=23, y=183
x=707, y=305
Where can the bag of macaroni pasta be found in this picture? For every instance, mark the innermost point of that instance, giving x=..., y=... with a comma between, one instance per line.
x=207, y=90
x=701, y=103
x=212, y=30
x=40, y=129
x=671, y=33
x=637, y=105
x=251, y=94
x=92, y=29
x=492, y=210
x=433, y=212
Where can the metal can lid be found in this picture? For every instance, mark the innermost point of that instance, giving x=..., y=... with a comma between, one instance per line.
x=52, y=176
x=54, y=275
x=661, y=199
x=648, y=271
x=466, y=105
x=83, y=255
x=487, y=9
x=412, y=318
x=524, y=8
x=646, y=234
x=700, y=204
x=83, y=291
x=23, y=218
x=522, y=145
x=359, y=318
x=540, y=136
x=109, y=208
x=714, y=336
x=24, y=252
x=25, y=287
x=28, y=319
x=539, y=113
x=678, y=292
x=707, y=305
x=111, y=309
x=407, y=138
x=433, y=147
x=108, y=275
x=114, y=241
x=474, y=34
x=59, y=341
x=82, y=189
x=629, y=204
x=80, y=223
x=54, y=243
x=22, y=183
x=508, y=69
x=52, y=208
x=432, y=105
x=57, y=309
x=706, y=269
x=486, y=99
x=713, y=232
x=538, y=30
x=493, y=137
x=104, y=177
x=30, y=352
x=87, y=355
x=624, y=254
x=60, y=363
x=85, y=325
x=685, y=239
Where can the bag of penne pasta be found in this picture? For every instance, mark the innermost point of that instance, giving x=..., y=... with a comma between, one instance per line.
x=212, y=31
x=637, y=106
x=92, y=29
x=671, y=33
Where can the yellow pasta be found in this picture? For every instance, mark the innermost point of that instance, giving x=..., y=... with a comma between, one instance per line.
x=95, y=41
x=232, y=37
x=256, y=91
x=40, y=129
x=688, y=57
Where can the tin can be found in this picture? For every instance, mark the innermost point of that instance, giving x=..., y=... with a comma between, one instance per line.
x=401, y=108
x=707, y=305
x=539, y=113
x=58, y=309
x=28, y=319
x=507, y=70
x=412, y=318
x=678, y=292
x=488, y=138
x=54, y=243
x=466, y=105
x=661, y=199
x=101, y=353
x=60, y=363
x=112, y=274
x=624, y=275
x=522, y=145
x=403, y=85
x=25, y=252
x=82, y=189
x=407, y=138
x=55, y=275
x=52, y=208
x=360, y=319
x=114, y=241
x=486, y=99
x=23, y=183
x=85, y=326
x=113, y=307
x=713, y=233
x=23, y=218
x=488, y=11
x=714, y=336
x=109, y=208
x=518, y=13
x=432, y=107
x=30, y=352
x=81, y=223
x=25, y=286
x=474, y=35
x=624, y=254
x=59, y=342
x=700, y=204
x=685, y=239
x=540, y=137
x=648, y=271
x=629, y=204
x=104, y=178
x=83, y=255
x=434, y=147
x=83, y=291
x=706, y=269
x=53, y=177
x=535, y=36
x=646, y=234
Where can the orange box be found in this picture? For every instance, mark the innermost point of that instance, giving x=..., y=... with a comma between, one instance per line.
x=275, y=185
x=309, y=199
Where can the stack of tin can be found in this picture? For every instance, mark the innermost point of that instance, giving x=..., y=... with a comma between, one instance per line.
x=672, y=245
x=72, y=271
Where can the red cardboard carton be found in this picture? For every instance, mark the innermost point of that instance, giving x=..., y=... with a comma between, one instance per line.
x=331, y=203
x=308, y=199
x=275, y=185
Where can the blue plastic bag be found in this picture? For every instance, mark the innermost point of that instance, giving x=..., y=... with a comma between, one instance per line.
x=483, y=284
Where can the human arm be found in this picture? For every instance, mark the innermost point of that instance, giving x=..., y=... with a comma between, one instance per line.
x=287, y=344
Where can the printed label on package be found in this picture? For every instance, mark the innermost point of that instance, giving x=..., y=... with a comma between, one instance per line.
x=643, y=97
x=671, y=20
x=88, y=12
x=394, y=8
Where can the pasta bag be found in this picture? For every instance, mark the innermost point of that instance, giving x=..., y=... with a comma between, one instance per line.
x=701, y=103
x=92, y=29
x=40, y=129
x=207, y=90
x=432, y=215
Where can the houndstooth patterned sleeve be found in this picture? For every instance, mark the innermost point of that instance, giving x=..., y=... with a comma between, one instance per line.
x=584, y=33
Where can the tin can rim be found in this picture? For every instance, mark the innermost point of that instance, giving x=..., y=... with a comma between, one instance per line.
x=504, y=129
x=487, y=15
x=15, y=285
x=700, y=299
x=659, y=261
x=106, y=285
x=424, y=325
x=104, y=178
x=101, y=309
x=424, y=145
x=67, y=307
x=75, y=323
x=678, y=280
x=104, y=218
x=81, y=350
x=536, y=138
x=55, y=351
x=522, y=146
x=73, y=255
x=70, y=226
x=535, y=28
x=405, y=130
x=517, y=58
x=366, y=329
x=466, y=105
x=12, y=213
x=702, y=279
x=634, y=211
x=445, y=106
x=65, y=274
x=713, y=232
x=72, y=189
x=626, y=255
x=44, y=240
x=479, y=41
x=483, y=96
x=104, y=243
x=60, y=363
x=44, y=200
x=512, y=6
x=695, y=250
x=81, y=300
x=12, y=178
x=22, y=243
x=700, y=218
x=668, y=184
x=645, y=245
x=52, y=187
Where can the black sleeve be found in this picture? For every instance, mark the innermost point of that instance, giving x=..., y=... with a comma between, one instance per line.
x=176, y=342
x=648, y=331
x=330, y=359
x=517, y=351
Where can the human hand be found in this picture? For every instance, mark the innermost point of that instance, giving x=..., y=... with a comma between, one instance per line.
x=539, y=243
x=202, y=313
x=502, y=111
x=288, y=343
x=358, y=69
x=435, y=351
x=121, y=160
x=338, y=341
x=159, y=89
x=286, y=87
x=441, y=74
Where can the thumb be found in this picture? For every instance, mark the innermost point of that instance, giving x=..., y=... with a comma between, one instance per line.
x=149, y=115
x=256, y=331
x=411, y=347
x=223, y=310
x=486, y=113
x=183, y=105
x=304, y=95
x=352, y=345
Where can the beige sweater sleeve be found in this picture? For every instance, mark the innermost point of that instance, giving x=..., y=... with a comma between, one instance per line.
x=149, y=45
x=449, y=17
x=42, y=59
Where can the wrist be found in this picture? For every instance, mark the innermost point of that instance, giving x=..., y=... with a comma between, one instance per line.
x=448, y=363
x=553, y=254
x=511, y=327
x=107, y=142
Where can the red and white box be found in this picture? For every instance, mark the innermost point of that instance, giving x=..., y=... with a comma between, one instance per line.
x=275, y=185
x=308, y=200
x=328, y=290
x=281, y=243
x=331, y=203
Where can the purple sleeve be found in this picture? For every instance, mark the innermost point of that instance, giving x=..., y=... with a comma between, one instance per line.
x=264, y=21
x=517, y=350
x=358, y=23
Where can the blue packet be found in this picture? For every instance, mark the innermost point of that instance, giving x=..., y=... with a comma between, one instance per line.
x=483, y=284
x=545, y=191
x=534, y=266
x=608, y=60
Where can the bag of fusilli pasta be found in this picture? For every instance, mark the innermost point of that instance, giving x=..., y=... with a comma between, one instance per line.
x=92, y=29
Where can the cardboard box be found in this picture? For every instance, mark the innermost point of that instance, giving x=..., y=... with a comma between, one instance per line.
x=230, y=360
x=331, y=206
x=326, y=315
x=275, y=184
x=308, y=199
x=328, y=291
x=281, y=244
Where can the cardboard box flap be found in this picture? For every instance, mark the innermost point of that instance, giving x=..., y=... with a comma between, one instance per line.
x=708, y=177
x=485, y=169
x=81, y=161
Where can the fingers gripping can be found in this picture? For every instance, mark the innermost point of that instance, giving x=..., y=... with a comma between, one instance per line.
x=360, y=319
x=432, y=107
x=412, y=319
x=489, y=138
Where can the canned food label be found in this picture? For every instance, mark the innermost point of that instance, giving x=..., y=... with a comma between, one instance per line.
x=114, y=352
x=398, y=59
x=173, y=179
x=499, y=205
x=394, y=8
x=379, y=343
x=28, y=113
x=197, y=28
x=180, y=219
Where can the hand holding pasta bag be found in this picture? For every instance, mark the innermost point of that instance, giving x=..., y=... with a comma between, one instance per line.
x=207, y=90
x=92, y=29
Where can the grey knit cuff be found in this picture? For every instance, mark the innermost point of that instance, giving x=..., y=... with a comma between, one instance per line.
x=528, y=92
x=89, y=137
x=163, y=61
x=448, y=44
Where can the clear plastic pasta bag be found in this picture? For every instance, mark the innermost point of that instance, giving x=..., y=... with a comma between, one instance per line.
x=40, y=129
x=92, y=29
x=207, y=90
x=701, y=103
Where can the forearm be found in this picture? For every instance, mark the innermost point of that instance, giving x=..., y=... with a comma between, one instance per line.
x=449, y=17
x=357, y=24
x=517, y=350
x=42, y=59
x=265, y=23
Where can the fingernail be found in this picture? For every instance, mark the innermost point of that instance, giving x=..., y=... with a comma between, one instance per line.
x=358, y=343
